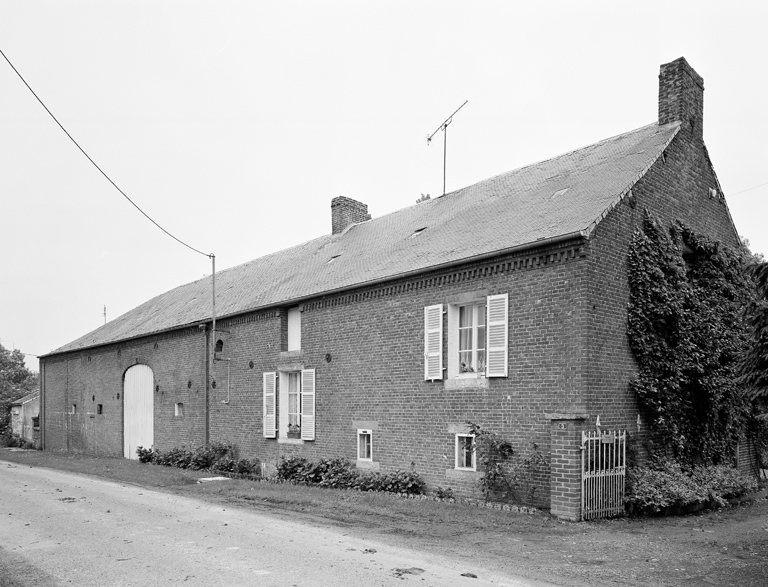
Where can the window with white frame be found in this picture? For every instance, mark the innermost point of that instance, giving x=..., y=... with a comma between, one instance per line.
x=477, y=338
x=289, y=404
x=471, y=331
x=465, y=452
x=364, y=445
x=294, y=403
x=294, y=329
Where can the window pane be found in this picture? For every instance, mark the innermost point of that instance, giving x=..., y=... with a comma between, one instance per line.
x=364, y=446
x=480, y=337
x=465, y=339
x=481, y=361
x=465, y=452
x=465, y=362
x=293, y=400
x=481, y=314
x=465, y=316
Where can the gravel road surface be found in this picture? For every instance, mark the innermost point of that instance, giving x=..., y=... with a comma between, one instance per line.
x=84, y=531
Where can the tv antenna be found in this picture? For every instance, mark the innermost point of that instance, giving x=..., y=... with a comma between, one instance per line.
x=444, y=127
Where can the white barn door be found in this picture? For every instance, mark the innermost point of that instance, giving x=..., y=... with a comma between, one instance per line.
x=138, y=410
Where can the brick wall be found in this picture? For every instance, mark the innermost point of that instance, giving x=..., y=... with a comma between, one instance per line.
x=367, y=349
x=677, y=187
x=568, y=353
x=565, y=465
x=95, y=376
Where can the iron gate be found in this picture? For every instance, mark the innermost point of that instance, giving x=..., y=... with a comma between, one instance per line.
x=603, y=467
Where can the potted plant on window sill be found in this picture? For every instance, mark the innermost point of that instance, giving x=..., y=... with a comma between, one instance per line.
x=294, y=431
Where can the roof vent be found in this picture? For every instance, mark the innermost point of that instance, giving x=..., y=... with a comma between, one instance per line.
x=418, y=231
x=332, y=259
x=559, y=193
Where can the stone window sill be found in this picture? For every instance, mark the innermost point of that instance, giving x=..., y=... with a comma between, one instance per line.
x=479, y=382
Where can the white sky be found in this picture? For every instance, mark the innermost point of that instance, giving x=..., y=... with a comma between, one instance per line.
x=233, y=124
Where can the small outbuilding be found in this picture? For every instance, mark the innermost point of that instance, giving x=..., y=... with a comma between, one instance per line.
x=25, y=413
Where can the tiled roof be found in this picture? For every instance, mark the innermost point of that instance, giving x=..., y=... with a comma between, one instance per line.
x=25, y=398
x=557, y=197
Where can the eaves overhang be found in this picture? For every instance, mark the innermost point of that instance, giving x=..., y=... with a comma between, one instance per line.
x=544, y=242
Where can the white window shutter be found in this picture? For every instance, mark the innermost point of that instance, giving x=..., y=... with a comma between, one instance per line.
x=497, y=332
x=269, y=404
x=433, y=342
x=308, y=404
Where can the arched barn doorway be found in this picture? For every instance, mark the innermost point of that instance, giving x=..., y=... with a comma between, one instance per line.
x=138, y=410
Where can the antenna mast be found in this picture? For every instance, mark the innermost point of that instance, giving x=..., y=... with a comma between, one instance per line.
x=444, y=127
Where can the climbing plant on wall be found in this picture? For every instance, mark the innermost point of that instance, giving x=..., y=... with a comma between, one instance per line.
x=688, y=332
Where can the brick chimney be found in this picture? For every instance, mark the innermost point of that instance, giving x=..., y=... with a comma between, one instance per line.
x=681, y=96
x=346, y=211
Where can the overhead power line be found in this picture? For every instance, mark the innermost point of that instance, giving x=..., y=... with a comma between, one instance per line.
x=754, y=187
x=209, y=255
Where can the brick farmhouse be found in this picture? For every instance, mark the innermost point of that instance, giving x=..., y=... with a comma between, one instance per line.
x=503, y=303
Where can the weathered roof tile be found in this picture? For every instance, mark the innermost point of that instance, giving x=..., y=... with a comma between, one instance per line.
x=567, y=194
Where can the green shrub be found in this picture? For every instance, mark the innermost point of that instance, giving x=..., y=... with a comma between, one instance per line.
x=342, y=474
x=176, y=457
x=242, y=468
x=218, y=457
x=205, y=456
x=290, y=468
x=407, y=482
x=723, y=482
x=146, y=455
x=652, y=489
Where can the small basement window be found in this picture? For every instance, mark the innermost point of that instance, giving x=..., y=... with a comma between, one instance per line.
x=465, y=452
x=364, y=445
x=179, y=411
x=74, y=409
x=99, y=408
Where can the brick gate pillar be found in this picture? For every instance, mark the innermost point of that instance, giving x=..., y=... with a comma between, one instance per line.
x=565, y=465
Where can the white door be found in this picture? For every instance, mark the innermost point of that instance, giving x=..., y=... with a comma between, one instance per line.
x=138, y=410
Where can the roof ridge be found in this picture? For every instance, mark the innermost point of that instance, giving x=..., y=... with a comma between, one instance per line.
x=564, y=154
x=598, y=175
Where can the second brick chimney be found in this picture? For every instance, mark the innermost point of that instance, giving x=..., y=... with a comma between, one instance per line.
x=346, y=211
x=681, y=96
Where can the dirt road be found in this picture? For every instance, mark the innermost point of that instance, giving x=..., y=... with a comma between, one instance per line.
x=80, y=530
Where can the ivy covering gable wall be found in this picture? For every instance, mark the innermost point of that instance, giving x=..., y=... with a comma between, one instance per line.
x=688, y=332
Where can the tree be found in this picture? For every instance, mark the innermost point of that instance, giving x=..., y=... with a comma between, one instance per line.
x=15, y=381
